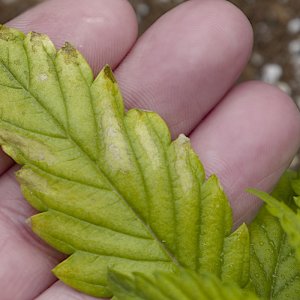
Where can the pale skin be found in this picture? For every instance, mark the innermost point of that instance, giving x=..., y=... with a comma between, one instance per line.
x=184, y=68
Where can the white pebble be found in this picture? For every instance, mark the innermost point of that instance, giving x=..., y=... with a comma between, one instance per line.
x=295, y=162
x=284, y=87
x=257, y=59
x=271, y=73
x=142, y=9
x=294, y=46
x=294, y=26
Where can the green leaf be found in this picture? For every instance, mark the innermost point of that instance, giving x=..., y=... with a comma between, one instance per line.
x=274, y=269
x=183, y=285
x=296, y=188
x=112, y=188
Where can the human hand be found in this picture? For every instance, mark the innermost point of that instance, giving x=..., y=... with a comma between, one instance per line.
x=184, y=68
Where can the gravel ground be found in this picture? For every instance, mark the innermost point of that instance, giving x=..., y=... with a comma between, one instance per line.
x=276, y=24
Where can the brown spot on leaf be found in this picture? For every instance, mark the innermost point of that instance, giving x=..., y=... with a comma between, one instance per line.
x=6, y=34
x=109, y=74
x=70, y=53
x=34, y=35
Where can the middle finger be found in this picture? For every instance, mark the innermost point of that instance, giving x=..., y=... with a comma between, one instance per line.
x=183, y=65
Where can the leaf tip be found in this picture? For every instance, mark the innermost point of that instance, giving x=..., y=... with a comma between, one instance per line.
x=109, y=74
x=243, y=228
x=257, y=193
x=254, y=192
x=28, y=222
x=267, y=198
x=182, y=139
x=34, y=35
x=214, y=180
x=37, y=38
x=9, y=34
x=69, y=52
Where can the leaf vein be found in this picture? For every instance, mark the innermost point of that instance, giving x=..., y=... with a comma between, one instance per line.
x=166, y=160
x=33, y=166
x=276, y=267
x=270, y=242
x=77, y=249
x=31, y=131
x=10, y=87
x=28, y=67
x=259, y=263
x=109, y=181
x=101, y=226
x=286, y=285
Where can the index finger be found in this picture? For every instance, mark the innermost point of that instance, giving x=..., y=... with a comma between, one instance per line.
x=104, y=31
x=106, y=28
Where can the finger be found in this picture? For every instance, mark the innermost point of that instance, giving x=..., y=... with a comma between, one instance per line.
x=24, y=259
x=185, y=63
x=103, y=31
x=60, y=291
x=5, y=162
x=106, y=27
x=248, y=141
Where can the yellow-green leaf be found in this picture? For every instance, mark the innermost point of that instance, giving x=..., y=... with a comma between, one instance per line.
x=182, y=285
x=274, y=269
x=112, y=188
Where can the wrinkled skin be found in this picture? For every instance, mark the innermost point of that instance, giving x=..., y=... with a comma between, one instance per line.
x=184, y=67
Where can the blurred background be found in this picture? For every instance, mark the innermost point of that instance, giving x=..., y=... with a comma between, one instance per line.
x=276, y=23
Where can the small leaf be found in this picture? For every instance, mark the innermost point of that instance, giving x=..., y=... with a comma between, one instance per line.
x=112, y=188
x=296, y=188
x=183, y=285
x=274, y=269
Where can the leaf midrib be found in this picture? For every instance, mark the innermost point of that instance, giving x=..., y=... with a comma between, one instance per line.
x=287, y=283
x=273, y=281
x=275, y=269
x=97, y=253
x=92, y=161
x=276, y=264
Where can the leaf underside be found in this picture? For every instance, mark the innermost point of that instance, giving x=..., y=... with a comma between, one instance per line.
x=112, y=189
x=183, y=285
x=274, y=269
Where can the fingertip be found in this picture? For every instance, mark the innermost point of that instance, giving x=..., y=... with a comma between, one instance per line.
x=277, y=106
x=103, y=31
x=233, y=25
x=229, y=29
x=186, y=61
x=249, y=139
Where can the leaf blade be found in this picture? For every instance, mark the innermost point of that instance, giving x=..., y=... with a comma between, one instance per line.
x=274, y=269
x=182, y=285
x=112, y=188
